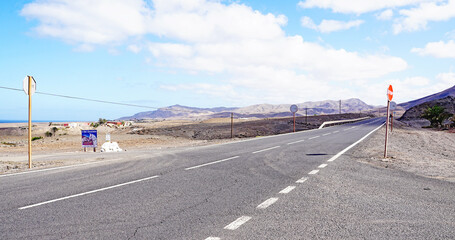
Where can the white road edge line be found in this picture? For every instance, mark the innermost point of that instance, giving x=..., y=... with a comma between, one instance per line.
x=313, y=172
x=352, y=145
x=322, y=165
x=62, y=167
x=302, y=180
x=267, y=149
x=267, y=203
x=295, y=142
x=213, y=238
x=237, y=223
x=210, y=163
x=85, y=193
x=313, y=137
x=287, y=190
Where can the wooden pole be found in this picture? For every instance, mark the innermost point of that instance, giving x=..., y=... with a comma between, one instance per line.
x=29, y=122
x=391, y=125
x=294, y=122
x=340, y=106
x=306, y=115
x=232, y=125
x=386, y=129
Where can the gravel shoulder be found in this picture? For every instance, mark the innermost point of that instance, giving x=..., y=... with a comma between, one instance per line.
x=424, y=152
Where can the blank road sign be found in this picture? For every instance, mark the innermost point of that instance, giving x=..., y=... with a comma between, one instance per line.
x=294, y=108
x=25, y=86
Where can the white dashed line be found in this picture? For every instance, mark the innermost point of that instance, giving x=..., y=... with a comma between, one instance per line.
x=267, y=149
x=302, y=180
x=85, y=193
x=210, y=163
x=295, y=142
x=336, y=132
x=287, y=190
x=213, y=238
x=322, y=165
x=313, y=137
x=326, y=134
x=313, y=172
x=267, y=203
x=237, y=223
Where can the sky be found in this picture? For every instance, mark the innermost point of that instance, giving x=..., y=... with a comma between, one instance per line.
x=205, y=53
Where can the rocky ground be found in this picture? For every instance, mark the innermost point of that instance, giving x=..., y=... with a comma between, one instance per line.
x=421, y=151
x=424, y=152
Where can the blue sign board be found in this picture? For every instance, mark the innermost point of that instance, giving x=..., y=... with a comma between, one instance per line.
x=89, y=138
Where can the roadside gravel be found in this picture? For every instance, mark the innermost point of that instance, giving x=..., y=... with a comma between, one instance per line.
x=424, y=152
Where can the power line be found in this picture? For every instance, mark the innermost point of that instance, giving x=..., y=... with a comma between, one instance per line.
x=85, y=99
x=123, y=104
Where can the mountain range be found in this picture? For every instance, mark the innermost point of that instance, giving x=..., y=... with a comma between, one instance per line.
x=352, y=105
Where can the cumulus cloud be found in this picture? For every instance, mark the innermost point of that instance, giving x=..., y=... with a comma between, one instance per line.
x=89, y=22
x=417, y=18
x=245, y=52
x=356, y=6
x=328, y=26
x=439, y=49
x=385, y=15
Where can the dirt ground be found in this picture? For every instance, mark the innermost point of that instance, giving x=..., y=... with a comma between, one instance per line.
x=425, y=152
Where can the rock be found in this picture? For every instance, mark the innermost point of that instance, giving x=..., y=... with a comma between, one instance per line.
x=110, y=147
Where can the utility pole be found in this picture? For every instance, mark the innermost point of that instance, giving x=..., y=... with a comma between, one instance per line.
x=306, y=115
x=340, y=106
x=232, y=125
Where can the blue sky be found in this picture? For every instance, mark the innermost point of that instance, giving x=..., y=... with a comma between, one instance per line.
x=205, y=53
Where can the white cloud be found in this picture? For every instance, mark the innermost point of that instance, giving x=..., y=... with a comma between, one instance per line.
x=88, y=22
x=247, y=49
x=437, y=49
x=134, y=48
x=446, y=78
x=385, y=15
x=417, y=18
x=406, y=89
x=327, y=26
x=356, y=6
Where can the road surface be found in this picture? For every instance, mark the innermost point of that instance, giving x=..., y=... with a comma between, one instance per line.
x=293, y=186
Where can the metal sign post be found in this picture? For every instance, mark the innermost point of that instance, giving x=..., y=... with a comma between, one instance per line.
x=294, y=109
x=389, y=99
x=29, y=86
x=393, y=106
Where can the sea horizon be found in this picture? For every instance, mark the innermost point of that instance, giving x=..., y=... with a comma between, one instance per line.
x=40, y=121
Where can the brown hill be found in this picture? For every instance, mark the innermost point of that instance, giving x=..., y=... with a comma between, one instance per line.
x=439, y=95
x=352, y=105
x=415, y=112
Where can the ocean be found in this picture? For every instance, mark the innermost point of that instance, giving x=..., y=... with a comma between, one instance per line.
x=24, y=121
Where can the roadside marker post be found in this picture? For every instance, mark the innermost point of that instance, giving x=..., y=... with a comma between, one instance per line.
x=294, y=109
x=389, y=99
x=29, y=87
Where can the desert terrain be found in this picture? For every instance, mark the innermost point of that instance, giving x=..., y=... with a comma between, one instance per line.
x=424, y=152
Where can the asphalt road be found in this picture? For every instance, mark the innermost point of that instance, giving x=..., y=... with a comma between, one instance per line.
x=293, y=186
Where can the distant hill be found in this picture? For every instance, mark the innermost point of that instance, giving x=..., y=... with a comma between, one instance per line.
x=415, y=112
x=258, y=110
x=439, y=95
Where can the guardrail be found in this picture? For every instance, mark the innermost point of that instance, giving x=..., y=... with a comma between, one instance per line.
x=342, y=121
